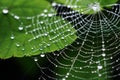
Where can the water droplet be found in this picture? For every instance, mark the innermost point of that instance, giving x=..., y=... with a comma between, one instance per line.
x=117, y=69
x=103, y=49
x=35, y=59
x=62, y=38
x=34, y=38
x=97, y=61
x=41, y=22
x=116, y=60
x=78, y=43
x=95, y=7
x=80, y=67
x=16, y=17
x=92, y=72
x=50, y=39
x=54, y=4
x=111, y=57
x=42, y=14
x=5, y=11
x=45, y=10
x=100, y=75
x=12, y=37
x=56, y=66
x=75, y=6
x=18, y=45
x=45, y=34
x=68, y=30
x=63, y=79
x=116, y=47
x=103, y=42
x=20, y=28
x=69, y=6
x=42, y=55
x=81, y=10
x=26, y=32
x=99, y=67
x=50, y=15
x=103, y=54
x=23, y=49
x=90, y=63
x=68, y=74
x=48, y=44
x=41, y=49
x=103, y=45
x=92, y=50
x=32, y=48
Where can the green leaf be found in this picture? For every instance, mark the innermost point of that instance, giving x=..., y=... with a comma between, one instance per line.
x=26, y=30
x=87, y=6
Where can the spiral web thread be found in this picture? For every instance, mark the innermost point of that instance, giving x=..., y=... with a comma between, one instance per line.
x=95, y=52
x=98, y=38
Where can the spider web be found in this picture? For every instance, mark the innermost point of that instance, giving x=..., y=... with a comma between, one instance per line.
x=93, y=55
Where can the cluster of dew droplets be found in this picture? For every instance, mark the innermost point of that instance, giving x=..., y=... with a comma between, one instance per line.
x=95, y=7
x=5, y=11
x=99, y=67
x=20, y=28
